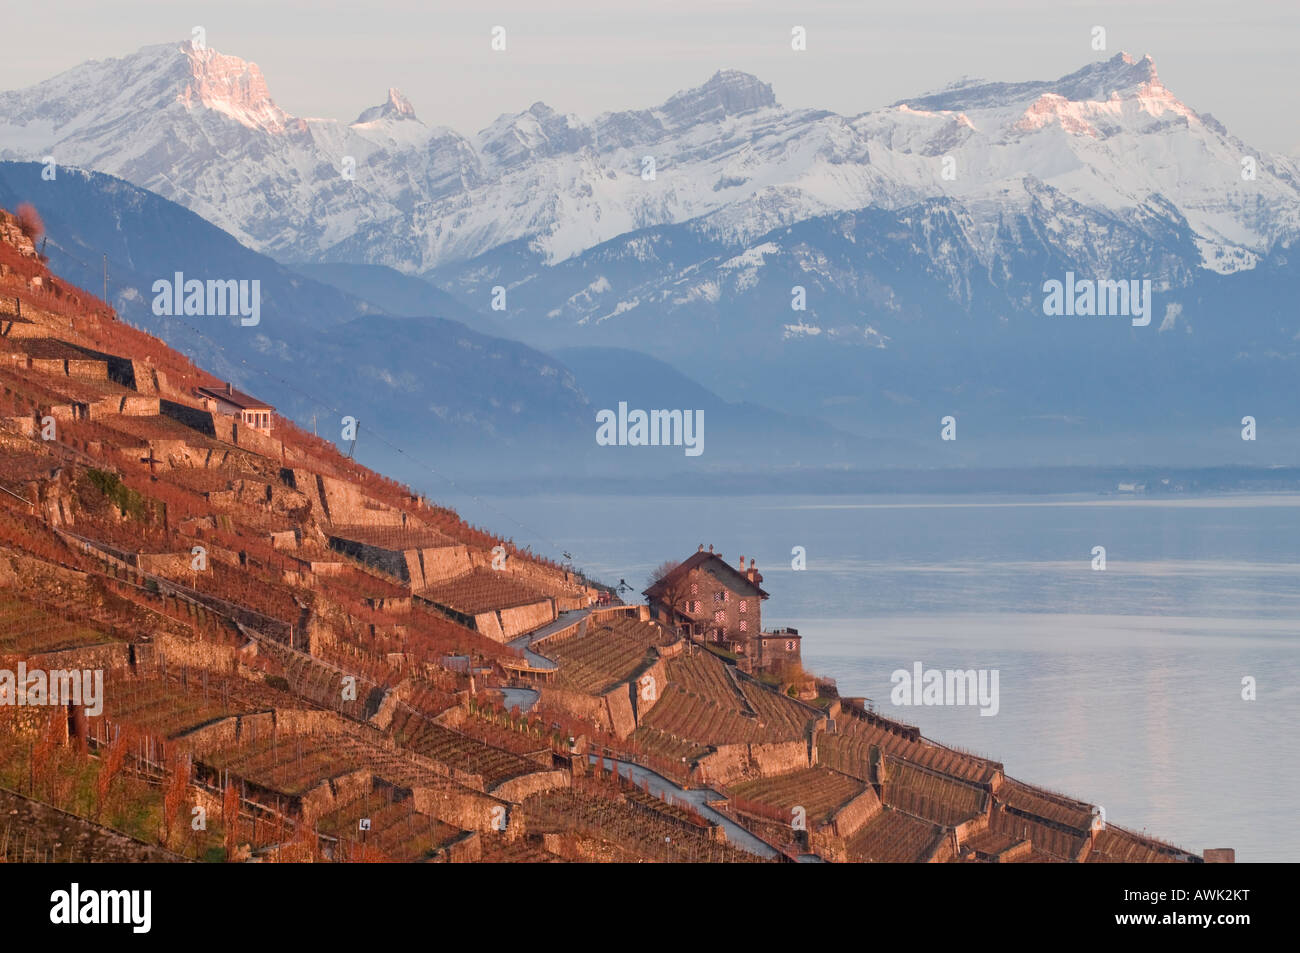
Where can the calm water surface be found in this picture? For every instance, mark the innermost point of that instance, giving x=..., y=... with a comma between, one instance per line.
x=1121, y=687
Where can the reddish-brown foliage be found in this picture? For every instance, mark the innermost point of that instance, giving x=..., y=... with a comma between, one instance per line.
x=110, y=764
x=30, y=223
x=230, y=819
x=178, y=785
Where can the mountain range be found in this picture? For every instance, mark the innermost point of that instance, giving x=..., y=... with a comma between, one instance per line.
x=917, y=238
x=201, y=128
x=415, y=379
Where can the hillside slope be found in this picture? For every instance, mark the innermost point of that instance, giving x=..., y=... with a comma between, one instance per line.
x=458, y=387
x=335, y=668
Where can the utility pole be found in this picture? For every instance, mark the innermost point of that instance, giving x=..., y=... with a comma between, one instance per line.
x=105, y=298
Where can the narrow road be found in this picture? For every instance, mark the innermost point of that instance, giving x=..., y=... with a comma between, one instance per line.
x=699, y=799
x=524, y=698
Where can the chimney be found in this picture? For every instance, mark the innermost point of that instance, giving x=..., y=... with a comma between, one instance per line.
x=753, y=570
x=701, y=549
x=742, y=565
x=710, y=547
x=230, y=388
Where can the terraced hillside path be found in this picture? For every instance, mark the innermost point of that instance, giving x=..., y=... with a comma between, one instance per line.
x=699, y=799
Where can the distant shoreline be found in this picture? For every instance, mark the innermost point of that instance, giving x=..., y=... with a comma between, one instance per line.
x=1117, y=482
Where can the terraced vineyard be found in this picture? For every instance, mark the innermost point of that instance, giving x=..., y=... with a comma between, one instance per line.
x=482, y=590
x=1051, y=840
x=426, y=697
x=524, y=743
x=606, y=654
x=931, y=795
x=704, y=674
x=397, y=832
x=819, y=791
x=494, y=765
x=497, y=849
x=166, y=708
x=1052, y=807
x=848, y=750
x=697, y=718
x=892, y=837
x=990, y=843
x=26, y=534
x=289, y=765
x=660, y=744
x=325, y=684
x=780, y=714
x=1114, y=845
x=32, y=832
x=28, y=629
x=674, y=812
x=624, y=828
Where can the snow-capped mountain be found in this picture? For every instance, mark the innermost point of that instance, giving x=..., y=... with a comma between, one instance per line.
x=202, y=129
x=919, y=235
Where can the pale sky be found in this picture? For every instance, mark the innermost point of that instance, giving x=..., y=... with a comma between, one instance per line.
x=330, y=58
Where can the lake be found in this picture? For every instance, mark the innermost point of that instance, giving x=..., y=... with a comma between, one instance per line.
x=1122, y=686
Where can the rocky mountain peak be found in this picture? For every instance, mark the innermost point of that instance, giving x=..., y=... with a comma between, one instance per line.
x=396, y=106
x=727, y=93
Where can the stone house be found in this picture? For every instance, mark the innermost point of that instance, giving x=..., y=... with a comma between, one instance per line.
x=252, y=413
x=778, y=648
x=709, y=600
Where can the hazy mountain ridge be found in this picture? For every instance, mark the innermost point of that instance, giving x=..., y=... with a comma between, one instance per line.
x=422, y=380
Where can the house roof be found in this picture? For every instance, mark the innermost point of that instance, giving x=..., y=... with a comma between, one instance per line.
x=716, y=566
x=235, y=397
x=782, y=634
